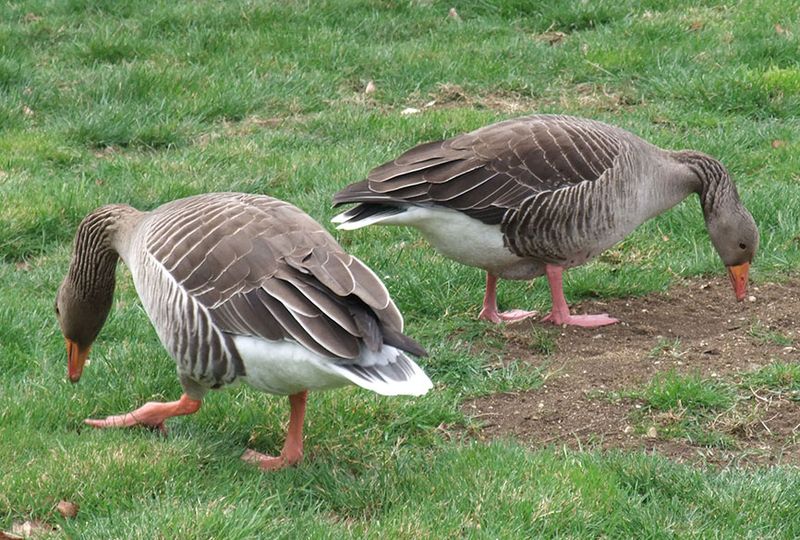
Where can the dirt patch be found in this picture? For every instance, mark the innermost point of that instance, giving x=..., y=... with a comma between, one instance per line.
x=694, y=328
x=448, y=95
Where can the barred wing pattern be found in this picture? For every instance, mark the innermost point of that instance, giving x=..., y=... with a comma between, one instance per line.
x=494, y=169
x=257, y=266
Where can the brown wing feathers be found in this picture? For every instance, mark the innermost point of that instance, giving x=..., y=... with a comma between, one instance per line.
x=330, y=325
x=493, y=169
x=263, y=268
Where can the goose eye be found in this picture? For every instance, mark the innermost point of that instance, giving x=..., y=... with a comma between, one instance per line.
x=742, y=246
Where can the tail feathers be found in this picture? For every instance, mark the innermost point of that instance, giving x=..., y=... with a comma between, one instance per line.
x=375, y=333
x=402, y=342
x=365, y=214
x=400, y=377
x=353, y=193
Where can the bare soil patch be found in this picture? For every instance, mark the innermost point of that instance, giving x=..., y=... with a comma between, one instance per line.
x=695, y=327
x=586, y=96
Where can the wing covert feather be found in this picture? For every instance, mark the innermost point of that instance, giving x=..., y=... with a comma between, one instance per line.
x=492, y=170
x=262, y=267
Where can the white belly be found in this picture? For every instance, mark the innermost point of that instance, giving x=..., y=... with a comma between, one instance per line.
x=284, y=367
x=468, y=241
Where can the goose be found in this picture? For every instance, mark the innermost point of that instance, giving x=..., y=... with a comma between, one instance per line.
x=240, y=289
x=539, y=194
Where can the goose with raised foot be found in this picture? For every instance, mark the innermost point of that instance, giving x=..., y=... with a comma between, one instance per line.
x=240, y=288
x=536, y=195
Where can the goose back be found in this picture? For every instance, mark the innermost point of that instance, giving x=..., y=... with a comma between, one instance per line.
x=212, y=268
x=561, y=189
x=488, y=171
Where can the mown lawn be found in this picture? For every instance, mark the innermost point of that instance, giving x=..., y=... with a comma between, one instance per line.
x=146, y=101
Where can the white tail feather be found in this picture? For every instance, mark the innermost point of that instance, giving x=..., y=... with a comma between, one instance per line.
x=285, y=367
x=340, y=218
x=349, y=220
x=402, y=377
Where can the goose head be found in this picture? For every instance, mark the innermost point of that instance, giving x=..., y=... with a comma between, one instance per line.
x=732, y=229
x=85, y=296
x=81, y=317
x=735, y=237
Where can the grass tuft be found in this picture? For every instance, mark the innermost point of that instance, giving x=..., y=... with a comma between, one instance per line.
x=763, y=334
x=543, y=340
x=779, y=377
x=671, y=391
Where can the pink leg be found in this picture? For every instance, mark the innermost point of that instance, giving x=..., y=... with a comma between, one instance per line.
x=560, y=312
x=292, y=452
x=150, y=414
x=489, y=311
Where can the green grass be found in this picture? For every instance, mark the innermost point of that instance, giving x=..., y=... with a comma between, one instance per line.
x=710, y=412
x=763, y=334
x=542, y=341
x=143, y=102
x=686, y=407
x=673, y=391
x=781, y=378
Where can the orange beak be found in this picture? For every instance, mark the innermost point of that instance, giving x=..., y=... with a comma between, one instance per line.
x=738, y=275
x=76, y=358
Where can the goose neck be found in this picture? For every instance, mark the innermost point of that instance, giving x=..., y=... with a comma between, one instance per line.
x=95, y=256
x=713, y=185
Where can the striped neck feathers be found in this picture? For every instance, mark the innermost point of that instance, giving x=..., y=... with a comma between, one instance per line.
x=715, y=187
x=94, y=257
x=732, y=229
x=85, y=296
